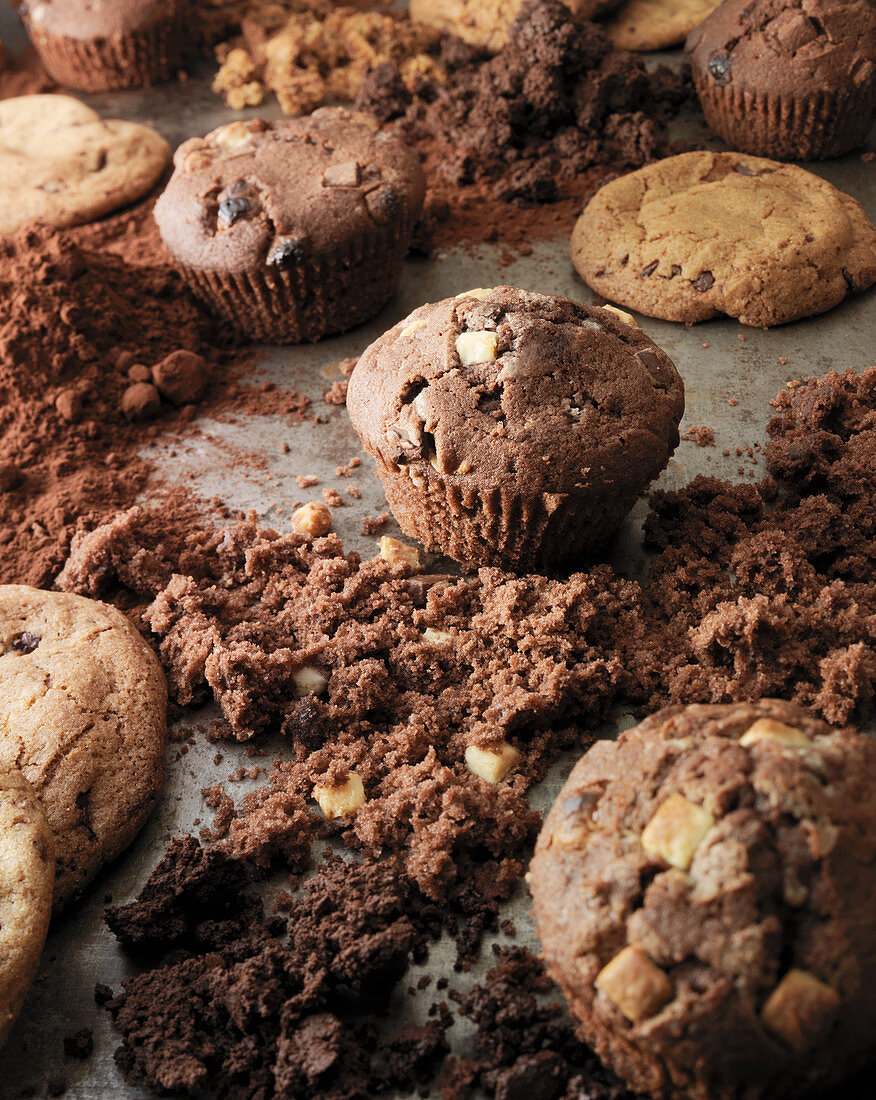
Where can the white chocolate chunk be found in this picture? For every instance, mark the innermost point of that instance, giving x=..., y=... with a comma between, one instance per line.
x=635, y=984
x=437, y=637
x=234, y=135
x=411, y=328
x=398, y=553
x=800, y=1009
x=477, y=347
x=309, y=681
x=622, y=314
x=341, y=801
x=676, y=831
x=489, y=765
x=768, y=729
x=479, y=292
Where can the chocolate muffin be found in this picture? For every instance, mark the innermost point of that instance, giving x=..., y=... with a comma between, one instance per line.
x=513, y=428
x=792, y=79
x=101, y=45
x=704, y=890
x=293, y=229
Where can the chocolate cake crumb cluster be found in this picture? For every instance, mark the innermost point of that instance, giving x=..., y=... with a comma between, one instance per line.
x=595, y=106
x=512, y=428
x=727, y=855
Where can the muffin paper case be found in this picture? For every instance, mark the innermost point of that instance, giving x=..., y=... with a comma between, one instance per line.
x=512, y=428
x=111, y=45
x=293, y=229
x=795, y=80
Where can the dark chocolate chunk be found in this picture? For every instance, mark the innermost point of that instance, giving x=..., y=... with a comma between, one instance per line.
x=649, y=270
x=25, y=642
x=719, y=67
x=287, y=251
x=232, y=210
x=704, y=281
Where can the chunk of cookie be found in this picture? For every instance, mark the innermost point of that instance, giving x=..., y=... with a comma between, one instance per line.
x=656, y=24
x=62, y=164
x=703, y=888
x=27, y=872
x=703, y=233
x=83, y=708
x=484, y=23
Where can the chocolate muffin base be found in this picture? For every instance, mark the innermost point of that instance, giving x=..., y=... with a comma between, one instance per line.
x=501, y=527
x=150, y=56
x=814, y=127
x=302, y=303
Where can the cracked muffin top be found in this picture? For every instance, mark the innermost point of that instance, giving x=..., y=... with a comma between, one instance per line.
x=787, y=44
x=711, y=874
x=282, y=193
x=506, y=384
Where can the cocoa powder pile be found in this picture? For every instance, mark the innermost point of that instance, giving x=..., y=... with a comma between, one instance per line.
x=545, y=121
x=101, y=350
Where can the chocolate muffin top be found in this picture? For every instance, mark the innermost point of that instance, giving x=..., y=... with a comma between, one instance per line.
x=98, y=18
x=277, y=193
x=711, y=875
x=508, y=384
x=790, y=46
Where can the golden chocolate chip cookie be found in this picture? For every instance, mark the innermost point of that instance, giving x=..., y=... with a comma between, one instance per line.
x=62, y=164
x=485, y=23
x=699, y=234
x=83, y=708
x=27, y=872
x=656, y=24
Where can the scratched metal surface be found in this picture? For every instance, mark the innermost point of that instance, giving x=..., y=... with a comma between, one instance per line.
x=80, y=950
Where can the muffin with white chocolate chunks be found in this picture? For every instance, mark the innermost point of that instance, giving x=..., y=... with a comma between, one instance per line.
x=512, y=428
x=704, y=888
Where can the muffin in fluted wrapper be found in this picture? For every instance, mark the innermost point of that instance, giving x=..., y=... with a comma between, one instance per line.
x=512, y=428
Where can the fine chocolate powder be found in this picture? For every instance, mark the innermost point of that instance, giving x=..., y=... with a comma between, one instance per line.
x=91, y=316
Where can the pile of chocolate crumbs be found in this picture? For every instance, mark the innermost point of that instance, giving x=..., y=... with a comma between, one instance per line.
x=751, y=591
x=557, y=112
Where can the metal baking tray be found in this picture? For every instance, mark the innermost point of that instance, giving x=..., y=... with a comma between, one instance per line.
x=745, y=364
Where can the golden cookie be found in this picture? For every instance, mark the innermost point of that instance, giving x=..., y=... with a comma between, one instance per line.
x=83, y=708
x=61, y=164
x=704, y=233
x=656, y=24
x=485, y=23
x=27, y=872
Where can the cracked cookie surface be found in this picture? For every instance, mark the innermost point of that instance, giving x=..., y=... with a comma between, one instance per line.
x=707, y=876
x=27, y=873
x=62, y=164
x=513, y=427
x=83, y=707
x=692, y=236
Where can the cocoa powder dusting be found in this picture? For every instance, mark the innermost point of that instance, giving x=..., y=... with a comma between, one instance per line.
x=101, y=351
